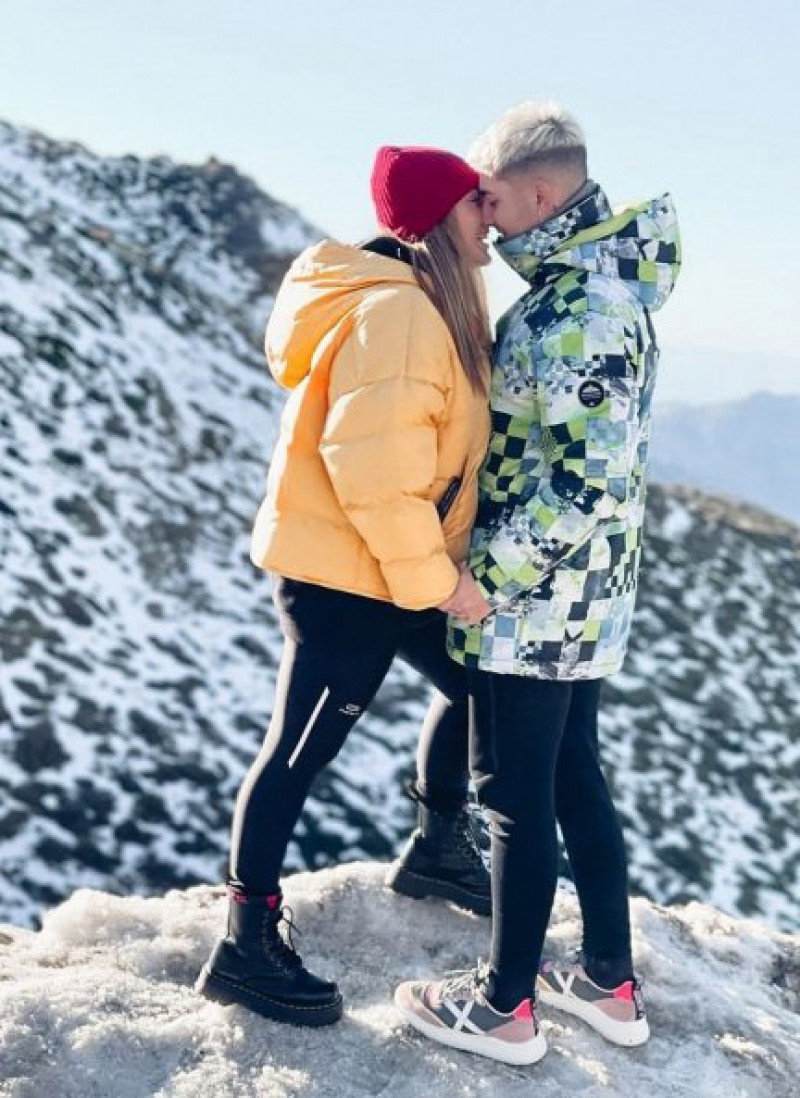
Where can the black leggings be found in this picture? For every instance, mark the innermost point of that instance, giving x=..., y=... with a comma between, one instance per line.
x=535, y=760
x=337, y=651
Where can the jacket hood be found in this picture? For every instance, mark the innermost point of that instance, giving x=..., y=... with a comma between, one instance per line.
x=324, y=284
x=640, y=245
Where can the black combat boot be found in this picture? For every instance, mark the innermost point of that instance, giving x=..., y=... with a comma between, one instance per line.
x=254, y=966
x=442, y=859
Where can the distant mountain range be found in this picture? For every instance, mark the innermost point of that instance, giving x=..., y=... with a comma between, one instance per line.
x=747, y=449
x=138, y=648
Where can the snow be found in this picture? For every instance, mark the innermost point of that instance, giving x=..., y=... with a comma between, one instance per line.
x=288, y=237
x=677, y=523
x=100, y=1003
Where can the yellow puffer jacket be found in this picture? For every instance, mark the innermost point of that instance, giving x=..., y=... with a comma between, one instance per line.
x=380, y=420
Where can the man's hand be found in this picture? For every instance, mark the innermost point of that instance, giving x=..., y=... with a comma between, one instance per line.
x=466, y=603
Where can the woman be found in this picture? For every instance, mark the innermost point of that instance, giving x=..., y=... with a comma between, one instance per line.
x=370, y=499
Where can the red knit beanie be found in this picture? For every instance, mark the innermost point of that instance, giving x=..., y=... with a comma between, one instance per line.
x=414, y=188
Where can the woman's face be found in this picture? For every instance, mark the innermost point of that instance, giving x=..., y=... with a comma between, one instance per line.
x=465, y=223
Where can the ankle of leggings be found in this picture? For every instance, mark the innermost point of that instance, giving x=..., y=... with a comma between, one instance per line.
x=608, y=972
x=506, y=995
x=237, y=892
x=438, y=800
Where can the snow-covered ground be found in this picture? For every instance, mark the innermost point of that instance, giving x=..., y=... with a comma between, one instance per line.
x=100, y=1004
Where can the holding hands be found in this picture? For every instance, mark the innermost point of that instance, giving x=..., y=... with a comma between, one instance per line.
x=467, y=602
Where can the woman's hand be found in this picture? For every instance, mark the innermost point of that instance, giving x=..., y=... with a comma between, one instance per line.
x=466, y=603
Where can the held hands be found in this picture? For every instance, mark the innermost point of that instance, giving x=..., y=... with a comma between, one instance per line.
x=466, y=603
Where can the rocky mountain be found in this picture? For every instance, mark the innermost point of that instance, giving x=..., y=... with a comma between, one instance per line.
x=746, y=449
x=138, y=647
x=703, y=724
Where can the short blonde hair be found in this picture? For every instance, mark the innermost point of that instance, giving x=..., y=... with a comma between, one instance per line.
x=533, y=134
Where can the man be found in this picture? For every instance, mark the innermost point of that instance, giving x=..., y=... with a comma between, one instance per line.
x=554, y=560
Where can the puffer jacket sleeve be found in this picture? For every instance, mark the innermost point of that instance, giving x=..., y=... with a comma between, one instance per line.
x=387, y=394
x=586, y=386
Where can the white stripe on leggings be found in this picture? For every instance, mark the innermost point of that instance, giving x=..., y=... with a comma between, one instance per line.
x=308, y=727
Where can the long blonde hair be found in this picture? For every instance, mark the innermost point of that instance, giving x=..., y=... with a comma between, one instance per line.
x=457, y=292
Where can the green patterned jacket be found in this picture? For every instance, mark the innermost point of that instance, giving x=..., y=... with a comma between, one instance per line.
x=557, y=541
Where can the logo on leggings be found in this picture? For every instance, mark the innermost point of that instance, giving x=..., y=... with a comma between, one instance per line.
x=350, y=710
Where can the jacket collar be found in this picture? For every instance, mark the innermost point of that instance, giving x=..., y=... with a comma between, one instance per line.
x=589, y=207
x=388, y=246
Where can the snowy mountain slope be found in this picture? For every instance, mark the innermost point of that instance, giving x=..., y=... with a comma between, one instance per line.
x=138, y=645
x=138, y=648
x=747, y=449
x=702, y=727
x=100, y=1002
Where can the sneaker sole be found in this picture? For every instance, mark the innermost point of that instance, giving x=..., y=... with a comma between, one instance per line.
x=627, y=1034
x=526, y=1052
x=420, y=888
x=228, y=993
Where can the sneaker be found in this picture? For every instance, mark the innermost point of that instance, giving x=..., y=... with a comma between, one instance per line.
x=455, y=1012
x=616, y=1013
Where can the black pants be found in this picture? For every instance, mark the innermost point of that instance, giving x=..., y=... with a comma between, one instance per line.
x=534, y=754
x=337, y=651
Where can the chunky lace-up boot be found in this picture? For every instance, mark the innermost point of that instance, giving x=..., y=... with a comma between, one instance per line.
x=255, y=966
x=442, y=858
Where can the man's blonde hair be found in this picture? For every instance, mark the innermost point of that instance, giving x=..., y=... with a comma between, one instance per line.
x=531, y=135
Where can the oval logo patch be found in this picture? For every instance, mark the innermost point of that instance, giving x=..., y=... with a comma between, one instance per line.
x=591, y=394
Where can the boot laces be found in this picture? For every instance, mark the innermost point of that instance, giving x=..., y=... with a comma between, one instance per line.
x=468, y=834
x=279, y=944
x=468, y=826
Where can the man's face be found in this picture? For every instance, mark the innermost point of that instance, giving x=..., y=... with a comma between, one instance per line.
x=515, y=204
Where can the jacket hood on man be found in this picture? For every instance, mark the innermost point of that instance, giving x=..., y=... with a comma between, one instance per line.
x=324, y=284
x=639, y=245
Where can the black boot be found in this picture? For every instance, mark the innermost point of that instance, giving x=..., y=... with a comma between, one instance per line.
x=442, y=859
x=257, y=968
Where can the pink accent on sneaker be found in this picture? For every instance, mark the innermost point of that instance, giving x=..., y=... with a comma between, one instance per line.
x=524, y=1011
x=618, y=1009
x=273, y=901
x=624, y=991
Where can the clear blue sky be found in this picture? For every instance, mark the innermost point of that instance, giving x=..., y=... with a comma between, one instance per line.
x=699, y=97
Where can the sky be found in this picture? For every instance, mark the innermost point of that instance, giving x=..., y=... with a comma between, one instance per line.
x=698, y=97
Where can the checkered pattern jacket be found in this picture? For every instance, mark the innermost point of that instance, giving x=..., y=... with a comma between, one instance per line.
x=558, y=537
